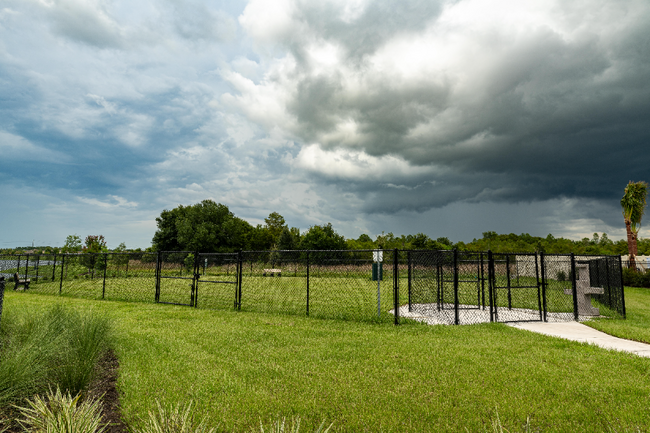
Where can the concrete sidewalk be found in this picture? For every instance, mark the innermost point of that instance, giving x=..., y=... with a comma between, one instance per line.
x=576, y=331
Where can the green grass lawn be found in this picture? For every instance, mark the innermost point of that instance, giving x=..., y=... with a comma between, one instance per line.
x=240, y=367
x=636, y=325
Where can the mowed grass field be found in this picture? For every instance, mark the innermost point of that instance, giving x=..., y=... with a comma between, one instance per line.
x=242, y=367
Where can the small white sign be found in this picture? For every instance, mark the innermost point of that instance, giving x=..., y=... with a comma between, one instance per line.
x=378, y=256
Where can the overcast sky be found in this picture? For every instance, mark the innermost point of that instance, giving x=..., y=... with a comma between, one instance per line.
x=450, y=118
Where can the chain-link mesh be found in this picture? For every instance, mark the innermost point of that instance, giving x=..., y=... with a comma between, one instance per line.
x=446, y=287
x=217, y=280
x=557, y=287
x=606, y=274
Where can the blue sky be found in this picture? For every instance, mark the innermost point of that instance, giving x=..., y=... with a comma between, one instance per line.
x=445, y=117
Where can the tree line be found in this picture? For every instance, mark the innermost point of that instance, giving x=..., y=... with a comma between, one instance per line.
x=212, y=227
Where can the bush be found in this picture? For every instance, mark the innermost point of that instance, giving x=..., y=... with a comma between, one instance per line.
x=56, y=349
x=174, y=420
x=636, y=278
x=61, y=413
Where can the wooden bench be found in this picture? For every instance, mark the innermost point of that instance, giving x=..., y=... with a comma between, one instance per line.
x=19, y=282
x=272, y=272
x=584, y=292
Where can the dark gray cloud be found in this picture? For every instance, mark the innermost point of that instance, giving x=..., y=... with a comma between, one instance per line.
x=444, y=117
x=517, y=112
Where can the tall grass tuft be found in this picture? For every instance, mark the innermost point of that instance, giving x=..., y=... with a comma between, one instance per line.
x=62, y=413
x=87, y=338
x=177, y=419
x=58, y=348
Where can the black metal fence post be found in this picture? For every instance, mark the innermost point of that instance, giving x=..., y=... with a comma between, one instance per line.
x=18, y=272
x=482, y=276
x=574, y=286
x=26, y=267
x=54, y=268
x=105, y=268
x=158, y=272
x=539, y=292
x=62, y=269
x=239, y=279
x=491, y=289
x=456, y=312
x=410, y=276
x=308, y=283
x=2, y=293
x=38, y=262
x=195, y=280
x=396, y=284
x=542, y=261
x=508, y=281
x=620, y=271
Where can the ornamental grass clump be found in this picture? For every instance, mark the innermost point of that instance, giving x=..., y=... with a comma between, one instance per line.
x=59, y=348
x=176, y=419
x=61, y=413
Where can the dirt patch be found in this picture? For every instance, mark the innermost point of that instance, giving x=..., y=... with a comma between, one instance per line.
x=104, y=387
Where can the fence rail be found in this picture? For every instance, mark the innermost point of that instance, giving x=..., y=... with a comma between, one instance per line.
x=452, y=287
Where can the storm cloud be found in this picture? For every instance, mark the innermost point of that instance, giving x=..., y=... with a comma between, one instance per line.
x=405, y=116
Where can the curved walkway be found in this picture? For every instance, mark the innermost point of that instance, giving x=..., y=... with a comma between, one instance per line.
x=576, y=331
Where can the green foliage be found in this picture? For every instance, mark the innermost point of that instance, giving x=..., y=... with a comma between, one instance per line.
x=275, y=224
x=205, y=227
x=72, y=244
x=289, y=239
x=634, y=278
x=62, y=413
x=322, y=238
x=177, y=419
x=189, y=262
x=58, y=348
x=92, y=258
x=119, y=257
x=260, y=239
x=634, y=203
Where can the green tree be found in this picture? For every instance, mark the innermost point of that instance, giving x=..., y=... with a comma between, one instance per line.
x=93, y=247
x=119, y=258
x=275, y=224
x=260, y=238
x=72, y=244
x=289, y=239
x=204, y=227
x=633, y=204
x=322, y=238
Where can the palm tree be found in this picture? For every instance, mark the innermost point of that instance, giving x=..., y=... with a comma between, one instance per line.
x=633, y=204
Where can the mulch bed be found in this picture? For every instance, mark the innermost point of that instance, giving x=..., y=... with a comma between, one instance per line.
x=104, y=387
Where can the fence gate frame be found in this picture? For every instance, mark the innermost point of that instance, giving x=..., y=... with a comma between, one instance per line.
x=236, y=283
x=160, y=277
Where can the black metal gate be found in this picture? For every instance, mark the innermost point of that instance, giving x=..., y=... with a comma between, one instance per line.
x=516, y=287
x=176, y=278
x=217, y=280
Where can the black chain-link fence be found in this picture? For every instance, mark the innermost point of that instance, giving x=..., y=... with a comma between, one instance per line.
x=446, y=287
x=449, y=287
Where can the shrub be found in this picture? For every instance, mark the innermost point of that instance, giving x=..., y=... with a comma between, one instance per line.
x=636, y=278
x=174, y=420
x=57, y=349
x=61, y=413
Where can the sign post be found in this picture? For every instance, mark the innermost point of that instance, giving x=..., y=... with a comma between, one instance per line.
x=378, y=258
